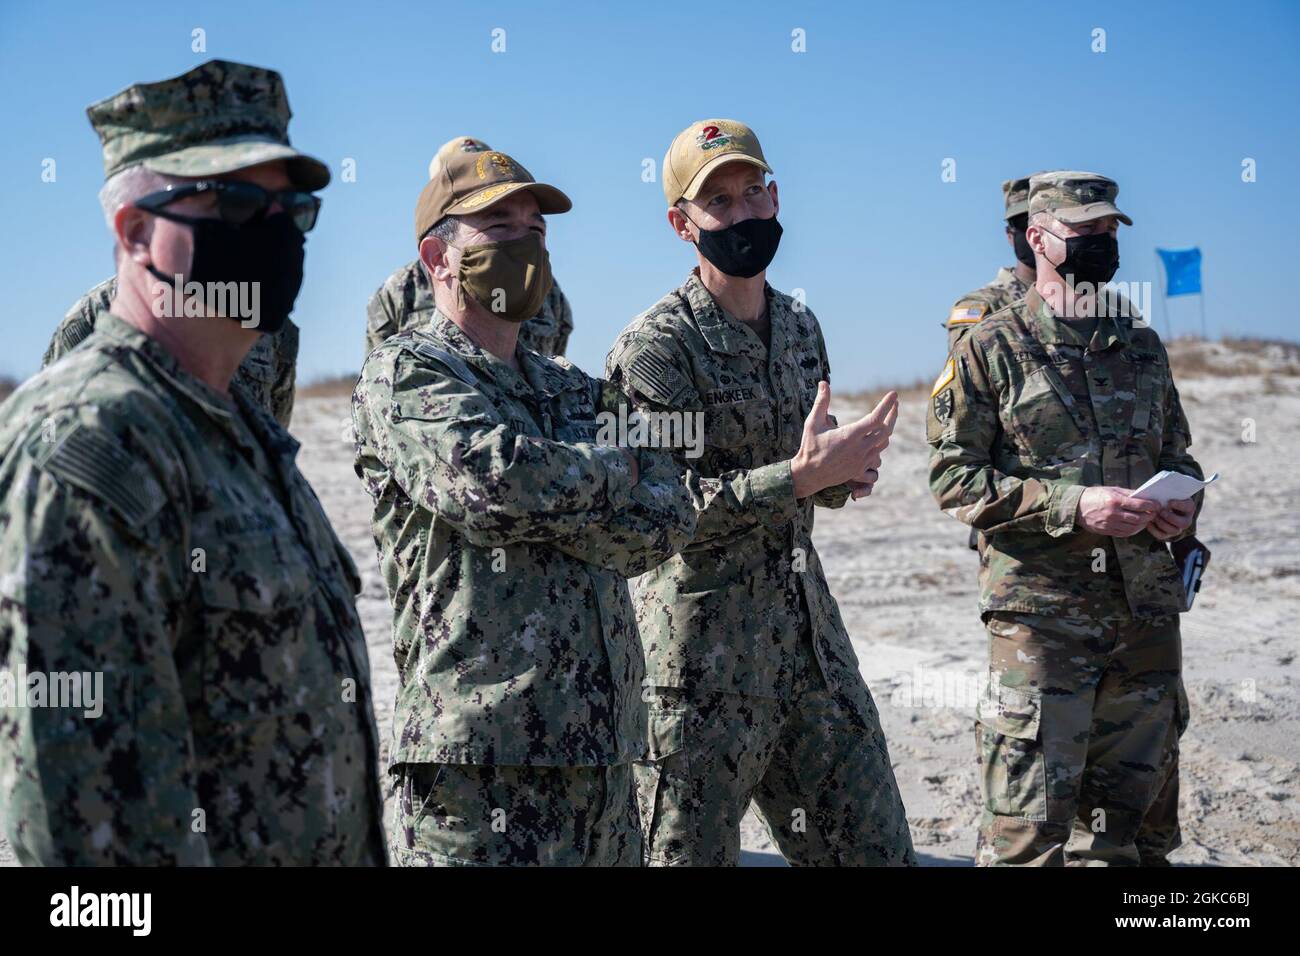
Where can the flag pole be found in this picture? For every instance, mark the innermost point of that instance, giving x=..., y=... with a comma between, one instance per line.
x=1164, y=303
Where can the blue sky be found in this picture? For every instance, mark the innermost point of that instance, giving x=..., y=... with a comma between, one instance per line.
x=856, y=129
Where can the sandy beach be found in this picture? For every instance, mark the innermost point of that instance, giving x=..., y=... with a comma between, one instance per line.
x=906, y=584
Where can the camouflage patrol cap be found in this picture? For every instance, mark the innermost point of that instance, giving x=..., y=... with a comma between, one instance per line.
x=215, y=119
x=701, y=148
x=469, y=182
x=457, y=144
x=1015, y=194
x=1072, y=196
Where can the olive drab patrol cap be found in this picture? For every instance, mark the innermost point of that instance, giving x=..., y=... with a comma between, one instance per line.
x=701, y=148
x=457, y=144
x=215, y=119
x=1072, y=196
x=469, y=182
x=1015, y=194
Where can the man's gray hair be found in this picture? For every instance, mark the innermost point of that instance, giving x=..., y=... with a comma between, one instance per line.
x=130, y=184
x=444, y=230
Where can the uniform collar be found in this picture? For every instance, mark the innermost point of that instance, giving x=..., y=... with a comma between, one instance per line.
x=1007, y=277
x=536, y=376
x=223, y=411
x=724, y=333
x=1050, y=330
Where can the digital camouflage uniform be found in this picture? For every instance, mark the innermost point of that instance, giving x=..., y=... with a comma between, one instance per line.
x=752, y=683
x=267, y=372
x=157, y=533
x=505, y=535
x=405, y=302
x=1080, y=720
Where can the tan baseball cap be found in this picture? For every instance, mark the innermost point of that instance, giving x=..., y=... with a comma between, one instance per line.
x=457, y=144
x=470, y=182
x=1015, y=194
x=701, y=148
x=1073, y=196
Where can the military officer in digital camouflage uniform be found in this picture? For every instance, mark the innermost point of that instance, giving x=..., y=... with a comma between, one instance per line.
x=1009, y=284
x=268, y=372
x=1045, y=418
x=157, y=534
x=506, y=525
x=405, y=300
x=753, y=687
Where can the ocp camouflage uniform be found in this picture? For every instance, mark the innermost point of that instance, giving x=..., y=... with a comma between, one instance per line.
x=505, y=534
x=753, y=687
x=1084, y=702
x=1005, y=289
x=267, y=373
x=405, y=302
x=1006, y=286
x=156, y=533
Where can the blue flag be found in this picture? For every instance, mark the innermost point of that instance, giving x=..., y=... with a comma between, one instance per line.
x=1182, y=270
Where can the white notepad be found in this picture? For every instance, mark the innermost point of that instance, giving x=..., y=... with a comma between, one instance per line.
x=1170, y=486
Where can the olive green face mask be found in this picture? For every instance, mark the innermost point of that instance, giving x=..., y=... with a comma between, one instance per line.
x=510, y=279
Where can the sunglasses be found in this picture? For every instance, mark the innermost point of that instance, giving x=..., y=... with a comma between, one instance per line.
x=237, y=202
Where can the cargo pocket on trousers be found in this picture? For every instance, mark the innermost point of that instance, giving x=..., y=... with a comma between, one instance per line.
x=1184, y=712
x=1012, y=766
x=662, y=781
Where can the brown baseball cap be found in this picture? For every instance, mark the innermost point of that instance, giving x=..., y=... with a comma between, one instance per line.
x=701, y=148
x=457, y=144
x=469, y=182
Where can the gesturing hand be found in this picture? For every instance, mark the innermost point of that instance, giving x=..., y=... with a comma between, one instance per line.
x=849, y=454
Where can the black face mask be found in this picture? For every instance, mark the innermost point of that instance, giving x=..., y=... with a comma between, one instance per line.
x=742, y=250
x=269, y=252
x=1091, y=259
x=1024, y=251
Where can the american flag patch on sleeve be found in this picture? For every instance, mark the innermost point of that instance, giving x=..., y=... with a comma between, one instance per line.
x=652, y=374
x=967, y=314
